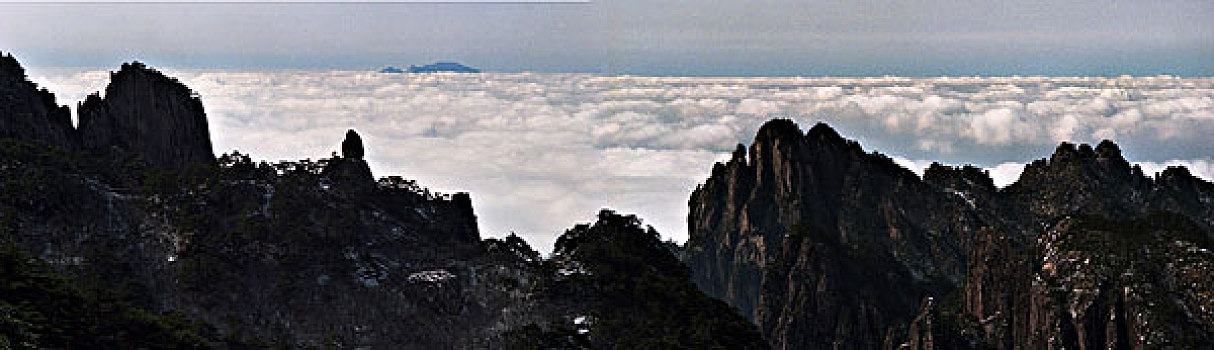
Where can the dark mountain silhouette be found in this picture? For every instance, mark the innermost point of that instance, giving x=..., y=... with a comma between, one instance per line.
x=148, y=114
x=826, y=246
x=31, y=113
x=129, y=233
x=144, y=114
x=136, y=236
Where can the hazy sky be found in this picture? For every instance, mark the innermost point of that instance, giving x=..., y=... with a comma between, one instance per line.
x=540, y=152
x=700, y=37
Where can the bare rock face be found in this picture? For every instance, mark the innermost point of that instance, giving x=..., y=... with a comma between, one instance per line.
x=27, y=113
x=805, y=235
x=826, y=246
x=150, y=115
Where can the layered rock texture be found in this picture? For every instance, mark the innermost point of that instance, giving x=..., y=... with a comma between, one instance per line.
x=824, y=245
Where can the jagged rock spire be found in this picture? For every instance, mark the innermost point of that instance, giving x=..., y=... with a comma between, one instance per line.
x=352, y=146
x=351, y=174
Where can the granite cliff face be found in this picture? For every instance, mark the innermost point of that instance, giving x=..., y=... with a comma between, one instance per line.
x=825, y=245
x=148, y=114
x=144, y=114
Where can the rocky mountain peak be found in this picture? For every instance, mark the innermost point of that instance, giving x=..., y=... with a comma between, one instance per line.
x=822, y=131
x=965, y=178
x=778, y=129
x=780, y=237
x=30, y=113
x=739, y=154
x=1179, y=178
x=1065, y=152
x=1108, y=149
x=1105, y=152
x=352, y=146
x=150, y=115
x=1083, y=165
x=1175, y=172
x=791, y=193
x=1109, y=159
x=9, y=67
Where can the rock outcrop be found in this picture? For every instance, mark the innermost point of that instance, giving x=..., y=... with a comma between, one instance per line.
x=352, y=146
x=148, y=115
x=350, y=173
x=826, y=246
x=30, y=113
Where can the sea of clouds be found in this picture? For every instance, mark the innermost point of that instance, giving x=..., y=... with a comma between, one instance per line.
x=540, y=152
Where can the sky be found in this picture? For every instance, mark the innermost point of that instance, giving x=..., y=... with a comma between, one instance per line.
x=617, y=106
x=666, y=38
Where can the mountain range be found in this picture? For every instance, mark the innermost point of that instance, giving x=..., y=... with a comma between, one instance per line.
x=126, y=231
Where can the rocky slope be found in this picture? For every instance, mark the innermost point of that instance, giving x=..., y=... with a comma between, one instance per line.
x=825, y=245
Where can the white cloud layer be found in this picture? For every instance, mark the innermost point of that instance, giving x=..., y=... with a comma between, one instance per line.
x=539, y=152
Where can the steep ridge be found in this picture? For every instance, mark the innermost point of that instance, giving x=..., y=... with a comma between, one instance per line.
x=824, y=245
x=149, y=114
